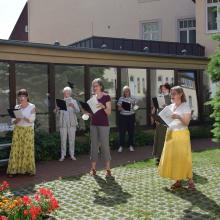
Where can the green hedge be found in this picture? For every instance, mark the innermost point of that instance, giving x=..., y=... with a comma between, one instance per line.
x=47, y=146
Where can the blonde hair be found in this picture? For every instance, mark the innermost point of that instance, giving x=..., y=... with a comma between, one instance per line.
x=126, y=88
x=67, y=89
x=179, y=90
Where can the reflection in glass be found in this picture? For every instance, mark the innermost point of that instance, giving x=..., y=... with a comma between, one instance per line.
x=33, y=77
x=73, y=76
x=109, y=76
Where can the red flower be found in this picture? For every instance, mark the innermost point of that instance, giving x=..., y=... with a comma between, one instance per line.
x=37, y=197
x=26, y=200
x=45, y=192
x=3, y=217
x=26, y=212
x=54, y=203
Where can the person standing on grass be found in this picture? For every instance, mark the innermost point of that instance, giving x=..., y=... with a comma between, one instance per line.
x=176, y=158
x=99, y=129
x=160, y=131
x=126, y=119
x=68, y=123
x=22, y=159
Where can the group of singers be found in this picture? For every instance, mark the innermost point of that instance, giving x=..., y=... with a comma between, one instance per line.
x=172, y=146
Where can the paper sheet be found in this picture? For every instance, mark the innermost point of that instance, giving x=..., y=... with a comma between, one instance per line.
x=93, y=102
x=161, y=101
x=18, y=114
x=166, y=114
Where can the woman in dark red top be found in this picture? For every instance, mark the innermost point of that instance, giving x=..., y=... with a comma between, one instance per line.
x=99, y=129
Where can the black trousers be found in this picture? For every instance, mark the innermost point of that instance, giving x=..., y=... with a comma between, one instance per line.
x=126, y=124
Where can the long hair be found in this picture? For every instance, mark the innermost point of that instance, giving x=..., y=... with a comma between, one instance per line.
x=180, y=91
x=126, y=88
x=99, y=82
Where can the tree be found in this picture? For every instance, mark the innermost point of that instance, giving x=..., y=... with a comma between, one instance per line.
x=214, y=72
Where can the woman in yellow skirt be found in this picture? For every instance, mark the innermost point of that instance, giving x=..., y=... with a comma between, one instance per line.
x=176, y=159
x=22, y=160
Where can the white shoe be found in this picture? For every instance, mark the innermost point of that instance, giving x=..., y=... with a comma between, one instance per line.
x=120, y=149
x=73, y=158
x=131, y=148
x=62, y=159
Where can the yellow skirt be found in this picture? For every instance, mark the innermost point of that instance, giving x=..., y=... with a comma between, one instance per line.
x=176, y=159
x=22, y=158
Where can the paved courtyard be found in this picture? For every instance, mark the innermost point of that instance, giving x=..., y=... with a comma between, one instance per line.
x=137, y=192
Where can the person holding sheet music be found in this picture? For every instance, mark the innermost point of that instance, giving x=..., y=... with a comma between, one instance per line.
x=126, y=105
x=160, y=131
x=66, y=110
x=99, y=129
x=22, y=159
x=176, y=158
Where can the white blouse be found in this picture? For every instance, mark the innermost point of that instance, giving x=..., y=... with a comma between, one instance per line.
x=181, y=110
x=29, y=113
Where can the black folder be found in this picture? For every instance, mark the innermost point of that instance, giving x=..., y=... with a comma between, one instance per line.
x=86, y=107
x=126, y=106
x=159, y=119
x=11, y=112
x=155, y=102
x=61, y=104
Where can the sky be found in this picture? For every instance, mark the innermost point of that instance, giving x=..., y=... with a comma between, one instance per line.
x=9, y=13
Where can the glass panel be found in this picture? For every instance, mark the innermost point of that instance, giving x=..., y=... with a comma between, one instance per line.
x=187, y=81
x=151, y=31
x=183, y=36
x=73, y=76
x=33, y=77
x=158, y=78
x=185, y=25
x=5, y=121
x=181, y=24
x=136, y=79
x=212, y=18
x=109, y=76
x=192, y=36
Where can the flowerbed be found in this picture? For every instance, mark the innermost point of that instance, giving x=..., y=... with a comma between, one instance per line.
x=25, y=207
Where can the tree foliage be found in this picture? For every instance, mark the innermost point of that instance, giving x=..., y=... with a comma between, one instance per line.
x=214, y=72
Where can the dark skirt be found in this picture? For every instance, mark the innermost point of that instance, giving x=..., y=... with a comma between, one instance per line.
x=159, y=139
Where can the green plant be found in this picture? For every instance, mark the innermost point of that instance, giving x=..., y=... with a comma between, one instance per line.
x=214, y=72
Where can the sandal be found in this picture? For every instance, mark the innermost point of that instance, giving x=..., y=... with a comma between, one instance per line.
x=108, y=173
x=176, y=185
x=92, y=172
x=191, y=186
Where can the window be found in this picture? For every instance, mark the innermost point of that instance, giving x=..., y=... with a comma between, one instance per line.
x=190, y=101
x=159, y=78
x=151, y=31
x=187, y=30
x=138, y=85
x=213, y=15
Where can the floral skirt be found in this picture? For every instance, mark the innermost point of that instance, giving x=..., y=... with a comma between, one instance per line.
x=22, y=158
x=176, y=158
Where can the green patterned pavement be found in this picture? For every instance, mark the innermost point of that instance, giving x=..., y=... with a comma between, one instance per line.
x=137, y=192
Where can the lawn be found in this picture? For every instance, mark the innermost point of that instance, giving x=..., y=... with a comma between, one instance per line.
x=137, y=192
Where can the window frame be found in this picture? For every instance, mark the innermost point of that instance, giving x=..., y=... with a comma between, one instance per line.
x=187, y=29
x=208, y=5
x=151, y=21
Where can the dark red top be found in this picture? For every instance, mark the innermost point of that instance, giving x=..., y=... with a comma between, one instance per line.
x=100, y=118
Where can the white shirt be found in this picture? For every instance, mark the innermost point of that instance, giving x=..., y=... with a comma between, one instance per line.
x=181, y=110
x=28, y=112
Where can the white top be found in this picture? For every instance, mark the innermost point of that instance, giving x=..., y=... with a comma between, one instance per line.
x=28, y=112
x=130, y=100
x=181, y=110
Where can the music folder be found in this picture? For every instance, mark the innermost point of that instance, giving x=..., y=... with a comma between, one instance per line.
x=61, y=104
x=15, y=113
x=159, y=119
x=126, y=106
x=155, y=103
x=86, y=107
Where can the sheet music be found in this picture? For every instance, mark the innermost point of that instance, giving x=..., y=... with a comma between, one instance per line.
x=18, y=113
x=161, y=101
x=166, y=114
x=93, y=102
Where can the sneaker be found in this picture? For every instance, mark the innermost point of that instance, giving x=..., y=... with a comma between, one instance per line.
x=62, y=159
x=131, y=148
x=73, y=158
x=120, y=149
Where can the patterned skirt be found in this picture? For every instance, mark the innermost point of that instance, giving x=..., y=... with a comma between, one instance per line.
x=22, y=160
x=176, y=158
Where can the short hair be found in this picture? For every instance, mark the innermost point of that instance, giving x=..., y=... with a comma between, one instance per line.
x=100, y=82
x=23, y=92
x=167, y=86
x=126, y=88
x=179, y=90
x=67, y=89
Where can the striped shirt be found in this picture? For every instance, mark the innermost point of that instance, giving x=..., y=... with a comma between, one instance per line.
x=130, y=100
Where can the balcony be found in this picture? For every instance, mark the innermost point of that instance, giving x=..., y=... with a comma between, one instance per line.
x=134, y=45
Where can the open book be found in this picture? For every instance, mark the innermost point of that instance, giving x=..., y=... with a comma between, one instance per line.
x=61, y=104
x=166, y=115
x=15, y=113
x=91, y=105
